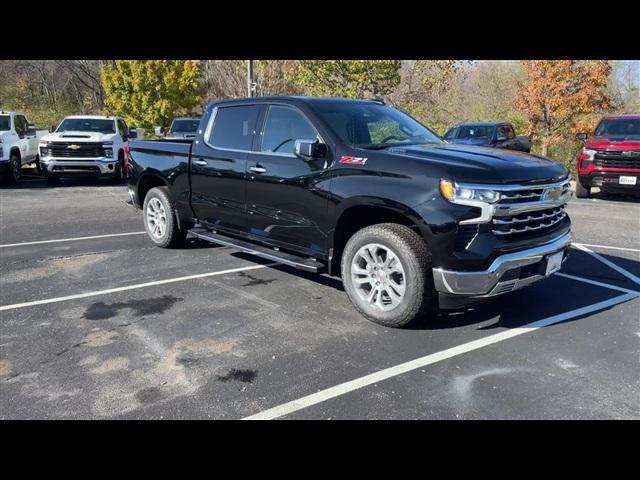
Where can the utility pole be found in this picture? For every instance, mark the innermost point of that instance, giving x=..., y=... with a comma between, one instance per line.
x=251, y=85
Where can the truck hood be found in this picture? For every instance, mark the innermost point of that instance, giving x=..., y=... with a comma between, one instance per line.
x=483, y=164
x=471, y=141
x=79, y=137
x=612, y=143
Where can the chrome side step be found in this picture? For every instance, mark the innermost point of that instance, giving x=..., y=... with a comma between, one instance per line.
x=303, y=263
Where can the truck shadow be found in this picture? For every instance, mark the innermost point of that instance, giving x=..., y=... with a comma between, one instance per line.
x=31, y=179
x=549, y=297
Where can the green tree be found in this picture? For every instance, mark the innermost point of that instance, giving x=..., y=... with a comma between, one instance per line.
x=346, y=78
x=151, y=92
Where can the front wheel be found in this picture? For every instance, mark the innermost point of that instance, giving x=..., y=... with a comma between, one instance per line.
x=160, y=219
x=582, y=192
x=386, y=273
x=15, y=169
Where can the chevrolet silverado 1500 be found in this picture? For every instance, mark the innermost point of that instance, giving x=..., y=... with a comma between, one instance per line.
x=362, y=191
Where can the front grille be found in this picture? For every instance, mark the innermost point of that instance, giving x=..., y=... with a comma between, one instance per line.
x=617, y=159
x=83, y=150
x=533, y=194
x=536, y=221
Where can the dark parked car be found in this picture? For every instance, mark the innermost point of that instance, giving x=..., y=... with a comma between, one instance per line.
x=360, y=190
x=488, y=134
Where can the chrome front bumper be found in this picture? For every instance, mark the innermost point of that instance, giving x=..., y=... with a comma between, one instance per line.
x=106, y=165
x=488, y=283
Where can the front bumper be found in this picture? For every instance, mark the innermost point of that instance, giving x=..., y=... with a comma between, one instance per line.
x=609, y=180
x=97, y=167
x=507, y=272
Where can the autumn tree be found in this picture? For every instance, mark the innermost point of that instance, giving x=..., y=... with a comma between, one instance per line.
x=554, y=94
x=151, y=92
x=346, y=78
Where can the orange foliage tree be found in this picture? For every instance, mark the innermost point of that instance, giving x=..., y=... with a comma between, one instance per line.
x=555, y=94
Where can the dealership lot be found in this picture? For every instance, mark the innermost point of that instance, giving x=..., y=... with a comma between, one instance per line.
x=112, y=327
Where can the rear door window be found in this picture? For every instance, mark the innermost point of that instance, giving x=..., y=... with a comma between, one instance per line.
x=233, y=127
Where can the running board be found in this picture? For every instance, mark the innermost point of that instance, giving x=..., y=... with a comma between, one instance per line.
x=303, y=263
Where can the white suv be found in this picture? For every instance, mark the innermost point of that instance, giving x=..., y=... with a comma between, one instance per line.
x=18, y=144
x=87, y=145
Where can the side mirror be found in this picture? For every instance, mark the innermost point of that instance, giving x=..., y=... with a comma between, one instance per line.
x=581, y=137
x=52, y=128
x=133, y=133
x=307, y=149
x=31, y=129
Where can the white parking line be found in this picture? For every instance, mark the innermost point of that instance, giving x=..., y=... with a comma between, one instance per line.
x=130, y=287
x=608, y=247
x=608, y=263
x=594, y=282
x=39, y=242
x=387, y=373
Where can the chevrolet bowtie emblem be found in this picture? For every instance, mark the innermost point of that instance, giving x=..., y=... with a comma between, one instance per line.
x=73, y=147
x=554, y=193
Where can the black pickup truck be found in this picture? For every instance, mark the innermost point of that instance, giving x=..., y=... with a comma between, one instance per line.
x=360, y=190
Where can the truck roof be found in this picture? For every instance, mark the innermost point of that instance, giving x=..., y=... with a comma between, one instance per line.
x=97, y=117
x=296, y=99
x=623, y=116
x=484, y=124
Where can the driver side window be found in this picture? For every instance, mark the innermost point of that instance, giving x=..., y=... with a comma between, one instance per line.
x=282, y=128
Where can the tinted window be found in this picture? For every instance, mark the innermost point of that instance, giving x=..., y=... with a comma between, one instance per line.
x=373, y=126
x=5, y=123
x=283, y=127
x=451, y=133
x=21, y=124
x=188, y=126
x=619, y=127
x=233, y=127
x=123, y=128
x=87, y=125
x=475, y=131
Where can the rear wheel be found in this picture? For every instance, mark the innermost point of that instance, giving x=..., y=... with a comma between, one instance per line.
x=582, y=192
x=118, y=173
x=160, y=219
x=386, y=273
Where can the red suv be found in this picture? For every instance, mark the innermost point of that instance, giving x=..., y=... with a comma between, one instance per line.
x=610, y=159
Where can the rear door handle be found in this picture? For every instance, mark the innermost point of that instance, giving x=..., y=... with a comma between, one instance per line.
x=200, y=163
x=258, y=169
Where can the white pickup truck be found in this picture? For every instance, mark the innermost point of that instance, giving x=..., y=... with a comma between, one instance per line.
x=18, y=144
x=87, y=145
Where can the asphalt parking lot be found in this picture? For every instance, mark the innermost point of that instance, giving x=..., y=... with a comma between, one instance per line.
x=112, y=327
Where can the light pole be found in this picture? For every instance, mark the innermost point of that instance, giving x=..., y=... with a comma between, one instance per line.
x=251, y=85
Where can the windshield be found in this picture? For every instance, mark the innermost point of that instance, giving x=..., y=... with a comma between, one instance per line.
x=373, y=126
x=5, y=123
x=87, y=125
x=188, y=126
x=475, y=131
x=619, y=127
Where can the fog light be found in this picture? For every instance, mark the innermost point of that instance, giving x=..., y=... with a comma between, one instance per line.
x=111, y=166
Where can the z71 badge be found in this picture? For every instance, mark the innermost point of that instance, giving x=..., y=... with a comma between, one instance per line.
x=352, y=160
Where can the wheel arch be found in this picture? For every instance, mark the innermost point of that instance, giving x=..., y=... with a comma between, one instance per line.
x=358, y=213
x=146, y=182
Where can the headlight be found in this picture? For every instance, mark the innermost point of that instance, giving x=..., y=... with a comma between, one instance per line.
x=455, y=193
x=108, y=152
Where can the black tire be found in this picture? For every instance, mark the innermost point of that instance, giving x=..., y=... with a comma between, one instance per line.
x=420, y=297
x=582, y=192
x=172, y=235
x=118, y=174
x=15, y=168
x=38, y=166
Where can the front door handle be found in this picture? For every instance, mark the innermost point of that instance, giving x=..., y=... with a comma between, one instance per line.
x=258, y=169
x=200, y=163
